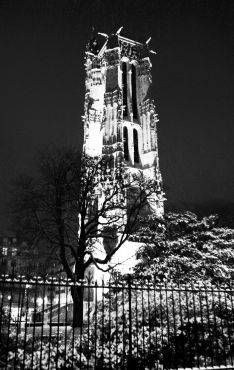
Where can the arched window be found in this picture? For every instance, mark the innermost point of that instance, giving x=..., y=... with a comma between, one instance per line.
x=134, y=97
x=125, y=88
x=135, y=143
x=125, y=143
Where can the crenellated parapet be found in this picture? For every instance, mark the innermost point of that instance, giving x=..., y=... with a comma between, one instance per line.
x=130, y=50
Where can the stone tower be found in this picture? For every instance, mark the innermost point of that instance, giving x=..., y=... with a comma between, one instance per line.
x=120, y=120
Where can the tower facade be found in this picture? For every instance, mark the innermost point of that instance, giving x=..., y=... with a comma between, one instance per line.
x=120, y=119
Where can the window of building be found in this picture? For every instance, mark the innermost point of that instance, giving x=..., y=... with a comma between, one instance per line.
x=125, y=88
x=4, y=251
x=135, y=143
x=125, y=143
x=14, y=252
x=134, y=97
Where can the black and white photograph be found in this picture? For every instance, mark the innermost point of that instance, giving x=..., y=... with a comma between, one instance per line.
x=117, y=184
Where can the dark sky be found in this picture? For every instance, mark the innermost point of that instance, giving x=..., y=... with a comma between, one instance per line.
x=42, y=87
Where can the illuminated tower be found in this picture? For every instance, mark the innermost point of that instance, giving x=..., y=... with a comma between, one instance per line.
x=120, y=119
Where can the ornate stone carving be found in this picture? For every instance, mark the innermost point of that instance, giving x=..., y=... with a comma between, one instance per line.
x=132, y=52
x=113, y=97
x=144, y=67
x=112, y=57
x=92, y=61
x=96, y=63
x=109, y=149
x=103, y=117
x=93, y=46
x=94, y=116
x=96, y=77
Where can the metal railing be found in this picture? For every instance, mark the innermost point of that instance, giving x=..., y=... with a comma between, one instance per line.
x=126, y=324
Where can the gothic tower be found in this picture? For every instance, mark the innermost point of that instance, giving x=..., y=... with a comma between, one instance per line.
x=120, y=119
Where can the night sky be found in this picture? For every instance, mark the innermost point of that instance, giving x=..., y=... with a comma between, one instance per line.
x=42, y=87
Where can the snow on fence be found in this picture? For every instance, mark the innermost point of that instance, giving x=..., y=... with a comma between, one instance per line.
x=126, y=324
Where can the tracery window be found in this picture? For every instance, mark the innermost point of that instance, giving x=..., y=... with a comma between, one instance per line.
x=125, y=143
x=125, y=88
x=135, y=145
x=134, y=97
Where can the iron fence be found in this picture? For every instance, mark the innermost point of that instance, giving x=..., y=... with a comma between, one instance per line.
x=126, y=325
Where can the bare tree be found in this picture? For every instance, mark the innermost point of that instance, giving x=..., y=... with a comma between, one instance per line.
x=72, y=203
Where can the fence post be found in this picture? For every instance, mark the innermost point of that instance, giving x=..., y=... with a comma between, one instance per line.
x=130, y=323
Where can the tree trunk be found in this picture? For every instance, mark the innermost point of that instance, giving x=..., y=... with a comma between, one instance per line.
x=77, y=296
